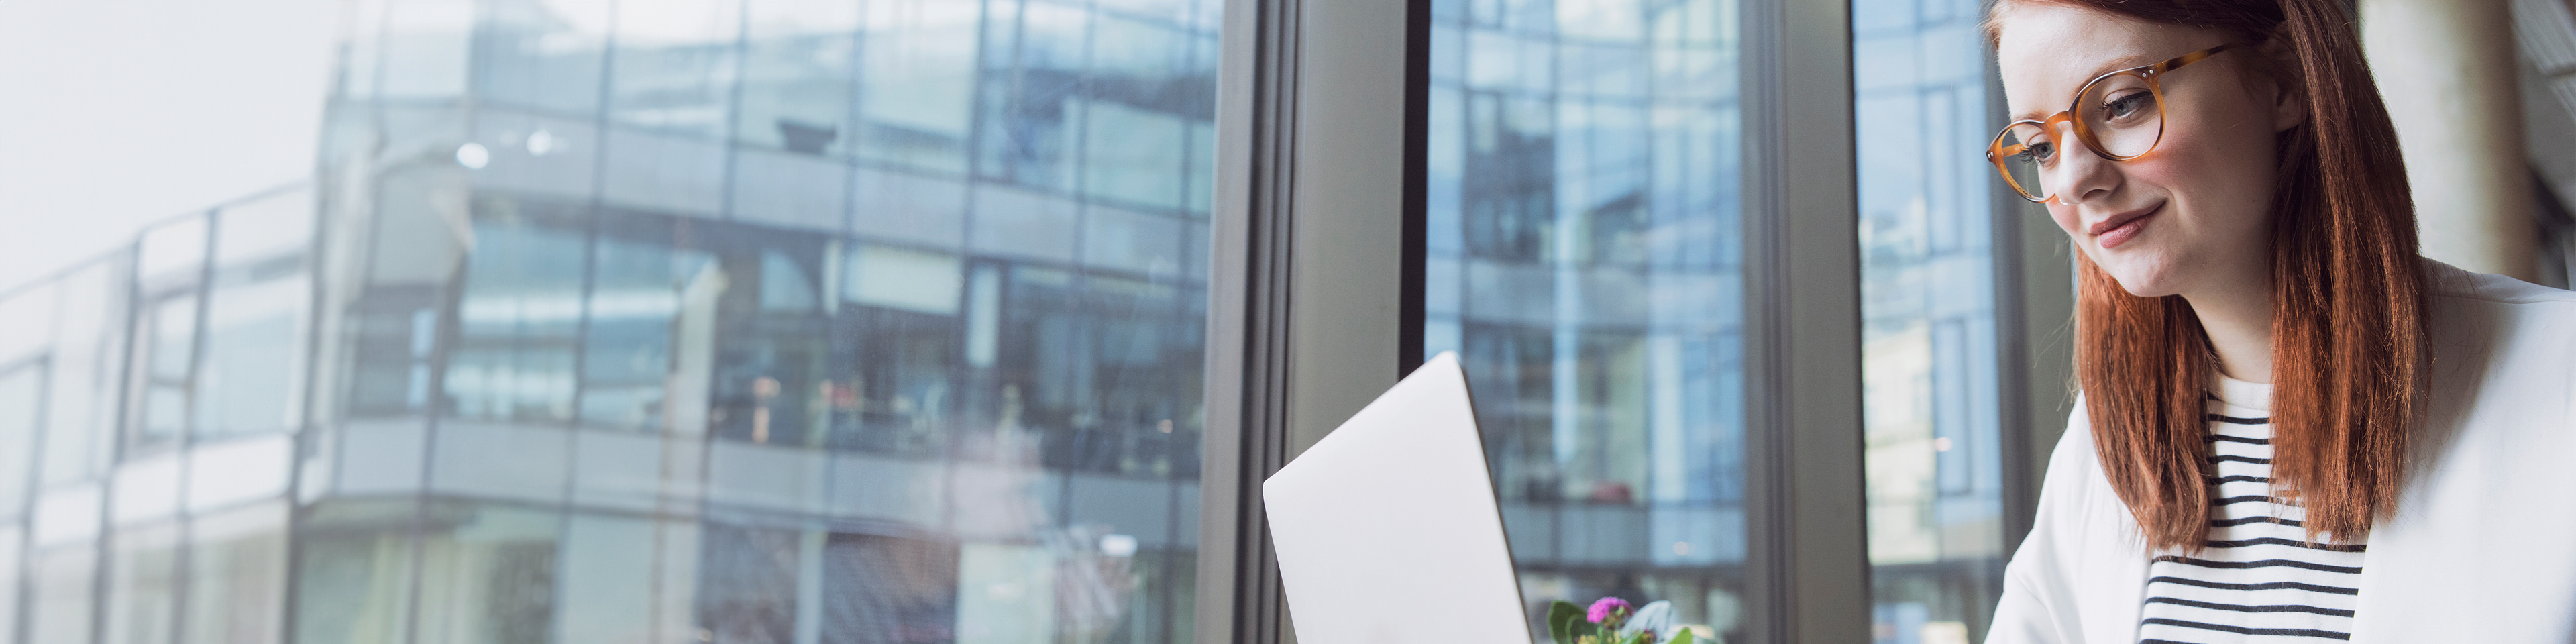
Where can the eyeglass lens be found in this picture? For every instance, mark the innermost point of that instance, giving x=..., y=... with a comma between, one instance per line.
x=2121, y=115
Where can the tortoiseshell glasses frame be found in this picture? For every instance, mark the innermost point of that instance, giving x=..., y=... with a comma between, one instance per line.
x=2022, y=150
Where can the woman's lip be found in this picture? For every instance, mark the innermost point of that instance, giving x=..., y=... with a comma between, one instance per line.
x=2121, y=228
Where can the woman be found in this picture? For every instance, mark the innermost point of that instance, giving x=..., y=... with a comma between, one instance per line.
x=2292, y=427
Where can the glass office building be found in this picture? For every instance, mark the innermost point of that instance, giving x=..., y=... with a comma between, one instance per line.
x=652, y=321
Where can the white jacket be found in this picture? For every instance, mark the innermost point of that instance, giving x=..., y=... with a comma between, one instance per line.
x=2481, y=548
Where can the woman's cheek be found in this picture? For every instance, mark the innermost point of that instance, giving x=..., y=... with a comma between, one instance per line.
x=2068, y=220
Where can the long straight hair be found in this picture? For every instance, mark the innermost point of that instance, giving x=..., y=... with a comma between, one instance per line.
x=2348, y=311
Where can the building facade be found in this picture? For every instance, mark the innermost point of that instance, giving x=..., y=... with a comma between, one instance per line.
x=653, y=321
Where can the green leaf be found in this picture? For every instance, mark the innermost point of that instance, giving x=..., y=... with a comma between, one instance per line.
x=1561, y=617
x=1682, y=637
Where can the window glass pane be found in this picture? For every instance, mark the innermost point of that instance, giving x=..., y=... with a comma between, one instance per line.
x=774, y=377
x=26, y=322
x=607, y=585
x=1037, y=50
x=543, y=54
x=796, y=78
x=674, y=70
x=896, y=588
x=425, y=51
x=62, y=580
x=354, y=563
x=642, y=287
x=1928, y=371
x=142, y=593
x=166, y=338
x=85, y=371
x=487, y=574
x=178, y=247
x=1584, y=260
x=748, y=584
x=917, y=82
x=237, y=577
x=517, y=323
x=19, y=388
x=264, y=230
x=250, y=379
x=11, y=539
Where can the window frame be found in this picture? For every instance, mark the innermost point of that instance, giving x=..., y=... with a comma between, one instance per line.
x=1300, y=206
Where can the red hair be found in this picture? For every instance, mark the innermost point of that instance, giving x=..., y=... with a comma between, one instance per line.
x=2348, y=310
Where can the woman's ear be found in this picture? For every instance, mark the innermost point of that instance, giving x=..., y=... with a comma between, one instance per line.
x=2286, y=86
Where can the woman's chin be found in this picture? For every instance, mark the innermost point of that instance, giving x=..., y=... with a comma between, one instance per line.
x=2143, y=277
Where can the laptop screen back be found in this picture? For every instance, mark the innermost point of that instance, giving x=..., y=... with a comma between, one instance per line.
x=1387, y=530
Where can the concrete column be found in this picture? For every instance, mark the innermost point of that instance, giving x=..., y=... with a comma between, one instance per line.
x=2447, y=70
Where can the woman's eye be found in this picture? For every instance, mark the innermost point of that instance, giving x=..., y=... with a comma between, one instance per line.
x=2126, y=106
x=2039, y=150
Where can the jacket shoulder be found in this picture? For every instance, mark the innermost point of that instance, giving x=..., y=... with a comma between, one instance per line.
x=2447, y=281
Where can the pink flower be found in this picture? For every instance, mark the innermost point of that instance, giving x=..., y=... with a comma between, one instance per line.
x=1608, y=608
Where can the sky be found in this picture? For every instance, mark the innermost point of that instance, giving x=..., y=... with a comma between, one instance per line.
x=118, y=113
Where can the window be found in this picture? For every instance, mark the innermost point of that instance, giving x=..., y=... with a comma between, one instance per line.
x=823, y=321
x=236, y=576
x=1584, y=258
x=142, y=596
x=1931, y=384
x=251, y=379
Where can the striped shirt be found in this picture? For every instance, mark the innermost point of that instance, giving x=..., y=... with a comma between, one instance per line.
x=2258, y=580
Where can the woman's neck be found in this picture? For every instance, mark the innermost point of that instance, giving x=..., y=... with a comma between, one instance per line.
x=2238, y=321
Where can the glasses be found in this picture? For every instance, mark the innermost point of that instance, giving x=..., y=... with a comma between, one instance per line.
x=2119, y=115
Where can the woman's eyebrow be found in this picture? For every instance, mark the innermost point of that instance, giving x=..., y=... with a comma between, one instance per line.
x=2108, y=66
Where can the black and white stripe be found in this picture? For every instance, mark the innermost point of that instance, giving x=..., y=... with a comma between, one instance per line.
x=2258, y=579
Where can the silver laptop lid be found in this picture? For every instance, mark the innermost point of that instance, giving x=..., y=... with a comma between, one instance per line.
x=1387, y=529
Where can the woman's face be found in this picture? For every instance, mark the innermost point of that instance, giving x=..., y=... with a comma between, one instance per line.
x=2193, y=215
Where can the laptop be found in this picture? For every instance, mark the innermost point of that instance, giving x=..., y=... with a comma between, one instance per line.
x=1387, y=530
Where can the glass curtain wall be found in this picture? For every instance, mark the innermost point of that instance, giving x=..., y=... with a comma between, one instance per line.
x=1930, y=391
x=1585, y=260
x=791, y=321
x=168, y=525
x=659, y=321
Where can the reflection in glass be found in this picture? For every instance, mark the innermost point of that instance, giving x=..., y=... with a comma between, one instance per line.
x=796, y=80
x=142, y=598
x=487, y=574
x=61, y=581
x=516, y=325
x=83, y=371
x=19, y=388
x=674, y=66
x=609, y=560
x=11, y=560
x=1585, y=261
x=168, y=351
x=749, y=581
x=249, y=380
x=636, y=293
x=1929, y=381
x=353, y=572
x=236, y=577
x=917, y=73
x=543, y=54
x=788, y=321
